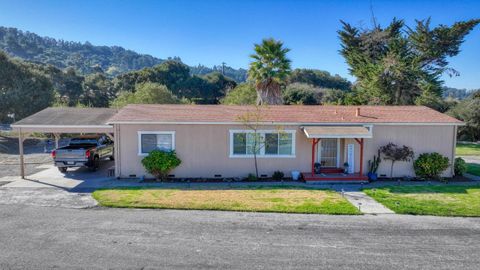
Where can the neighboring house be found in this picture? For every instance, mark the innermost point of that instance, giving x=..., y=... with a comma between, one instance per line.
x=212, y=141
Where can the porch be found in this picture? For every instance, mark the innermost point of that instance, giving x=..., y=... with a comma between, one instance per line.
x=333, y=147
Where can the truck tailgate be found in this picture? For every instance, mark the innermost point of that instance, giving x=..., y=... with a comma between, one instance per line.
x=65, y=154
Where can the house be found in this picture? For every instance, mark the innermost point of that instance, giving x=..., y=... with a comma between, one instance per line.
x=213, y=141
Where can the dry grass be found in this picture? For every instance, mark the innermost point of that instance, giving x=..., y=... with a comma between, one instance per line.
x=281, y=199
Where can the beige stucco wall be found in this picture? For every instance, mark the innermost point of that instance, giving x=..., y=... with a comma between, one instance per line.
x=423, y=139
x=205, y=149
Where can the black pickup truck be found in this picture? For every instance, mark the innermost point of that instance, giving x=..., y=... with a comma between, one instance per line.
x=85, y=151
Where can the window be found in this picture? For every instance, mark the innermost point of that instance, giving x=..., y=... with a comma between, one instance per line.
x=270, y=143
x=149, y=140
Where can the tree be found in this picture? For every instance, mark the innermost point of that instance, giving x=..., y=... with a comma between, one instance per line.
x=252, y=120
x=468, y=110
x=319, y=78
x=24, y=89
x=169, y=73
x=97, y=90
x=398, y=64
x=395, y=153
x=146, y=93
x=302, y=94
x=269, y=71
x=243, y=94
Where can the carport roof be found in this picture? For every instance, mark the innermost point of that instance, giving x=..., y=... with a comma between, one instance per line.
x=64, y=117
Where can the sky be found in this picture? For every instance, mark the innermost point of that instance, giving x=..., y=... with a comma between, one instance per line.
x=211, y=32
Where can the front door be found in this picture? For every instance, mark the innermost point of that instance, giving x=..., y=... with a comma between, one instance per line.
x=328, y=152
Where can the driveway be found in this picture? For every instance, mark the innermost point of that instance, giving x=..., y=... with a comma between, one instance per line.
x=49, y=187
x=45, y=237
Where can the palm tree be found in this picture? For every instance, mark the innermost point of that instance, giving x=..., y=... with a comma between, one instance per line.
x=269, y=71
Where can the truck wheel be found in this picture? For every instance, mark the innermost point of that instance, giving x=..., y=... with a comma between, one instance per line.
x=62, y=169
x=95, y=164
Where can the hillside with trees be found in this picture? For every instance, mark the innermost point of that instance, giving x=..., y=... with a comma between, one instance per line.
x=86, y=58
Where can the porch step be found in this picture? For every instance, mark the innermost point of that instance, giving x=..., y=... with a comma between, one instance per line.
x=331, y=170
x=308, y=177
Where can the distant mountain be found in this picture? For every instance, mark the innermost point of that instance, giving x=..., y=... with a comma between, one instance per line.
x=455, y=93
x=86, y=58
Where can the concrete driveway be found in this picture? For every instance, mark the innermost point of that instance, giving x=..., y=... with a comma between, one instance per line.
x=51, y=188
x=74, y=178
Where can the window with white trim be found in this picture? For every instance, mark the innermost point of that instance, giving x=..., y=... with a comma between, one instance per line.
x=267, y=143
x=153, y=140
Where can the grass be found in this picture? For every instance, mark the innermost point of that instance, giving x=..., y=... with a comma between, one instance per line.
x=268, y=199
x=473, y=168
x=454, y=200
x=468, y=149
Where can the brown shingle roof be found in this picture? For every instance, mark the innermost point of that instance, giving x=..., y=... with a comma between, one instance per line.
x=61, y=116
x=280, y=114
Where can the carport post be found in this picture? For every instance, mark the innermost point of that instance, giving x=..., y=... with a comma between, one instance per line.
x=57, y=138
x=20, y=149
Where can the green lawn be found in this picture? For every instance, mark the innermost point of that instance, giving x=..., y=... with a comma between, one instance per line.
x=473, y=169
x=271, y=199
x=468, y=149
x=454, y=200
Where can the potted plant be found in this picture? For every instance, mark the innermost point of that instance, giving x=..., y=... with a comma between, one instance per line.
x=345, y=167
x=373, y=167
x=316, y=168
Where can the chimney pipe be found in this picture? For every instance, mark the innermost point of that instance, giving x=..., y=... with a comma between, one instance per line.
x=357, y=112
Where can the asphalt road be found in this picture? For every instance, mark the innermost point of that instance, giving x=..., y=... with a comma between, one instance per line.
x=45, y=237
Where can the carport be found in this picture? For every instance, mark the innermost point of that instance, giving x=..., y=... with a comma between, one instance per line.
x=65, y=120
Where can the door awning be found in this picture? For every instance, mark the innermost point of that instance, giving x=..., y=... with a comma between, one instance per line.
x=338, y=132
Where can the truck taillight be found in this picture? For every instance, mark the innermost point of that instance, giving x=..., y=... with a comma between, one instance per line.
x=87, y=154
x=54, y=154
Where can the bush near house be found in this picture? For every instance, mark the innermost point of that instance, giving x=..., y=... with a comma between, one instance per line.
x=460, y=166
x=278, y=175
x=161, y=163
x=430, y=165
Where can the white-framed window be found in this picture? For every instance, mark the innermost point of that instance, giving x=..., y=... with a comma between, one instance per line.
x=270, y=143
x=152, y=140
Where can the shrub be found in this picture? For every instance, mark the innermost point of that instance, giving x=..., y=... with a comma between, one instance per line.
x=252, y=177
x=278, y=175
x=460, y=166
x=160, y=163
x=430, y=165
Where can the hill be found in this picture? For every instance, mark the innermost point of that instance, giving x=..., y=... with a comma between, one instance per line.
x=86, y=58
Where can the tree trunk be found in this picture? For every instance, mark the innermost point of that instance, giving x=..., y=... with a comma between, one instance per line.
x=256, y=165
x=269, y=93
x=391, y=169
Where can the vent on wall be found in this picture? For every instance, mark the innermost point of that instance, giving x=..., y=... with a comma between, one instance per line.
x=218, y=175
x=132, y=176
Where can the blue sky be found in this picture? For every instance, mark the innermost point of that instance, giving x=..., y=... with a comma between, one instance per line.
x=210, y=32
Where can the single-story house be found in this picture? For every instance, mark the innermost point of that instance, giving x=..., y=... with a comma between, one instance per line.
x=216, y=141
